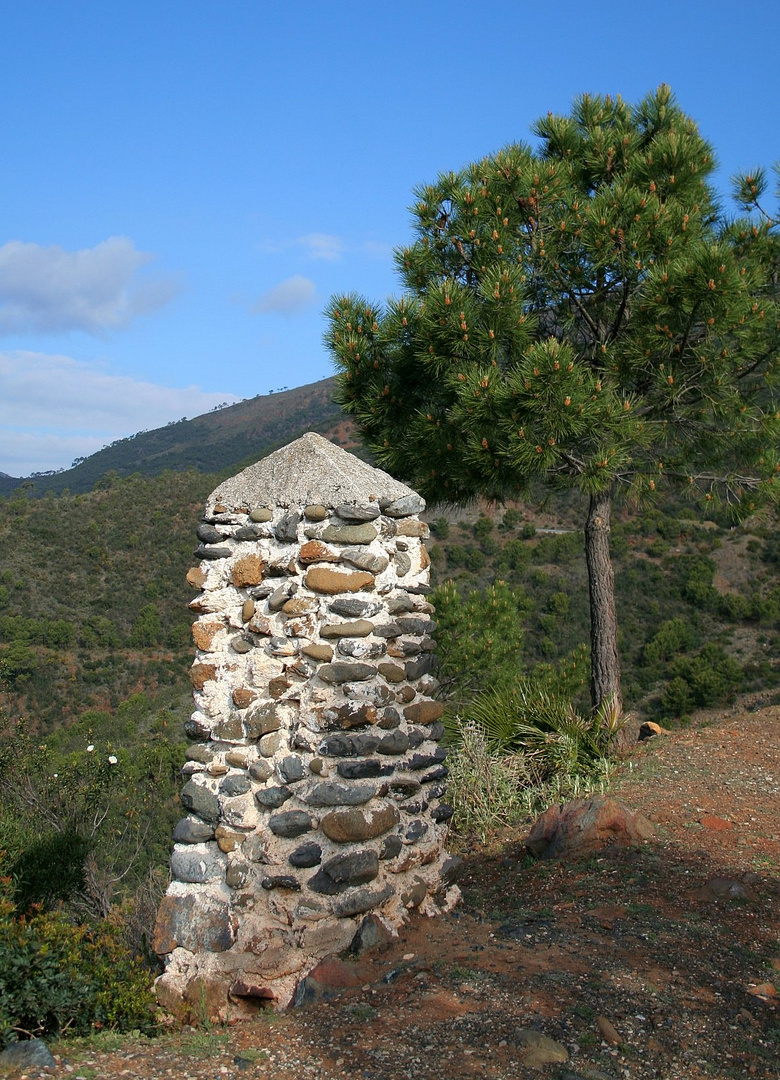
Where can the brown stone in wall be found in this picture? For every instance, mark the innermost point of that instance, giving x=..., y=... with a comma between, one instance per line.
x=354, y=825
x=316, y=551
x=423, y=712
x=318, y=652
x=247, y=571
x=324, y=580
x=392, y=672
x=201, y=673
x=203, y=633
x=262, y=720
x=243, y=697
x=410, y=527
x=357, y=628
x=196, y=577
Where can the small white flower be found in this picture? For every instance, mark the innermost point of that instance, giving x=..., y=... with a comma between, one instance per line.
x=90, y=748
x=111, y=759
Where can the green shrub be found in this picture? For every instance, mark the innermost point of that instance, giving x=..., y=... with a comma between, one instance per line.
x=483, y=527
x=673, y=637
x=479, y=634
x=677, y=698
x=709, y=678
x=56, y=976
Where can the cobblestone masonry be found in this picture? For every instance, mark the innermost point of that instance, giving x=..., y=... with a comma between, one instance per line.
x=314, y=783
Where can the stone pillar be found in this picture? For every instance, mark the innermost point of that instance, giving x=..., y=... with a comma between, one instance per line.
x=315, y=781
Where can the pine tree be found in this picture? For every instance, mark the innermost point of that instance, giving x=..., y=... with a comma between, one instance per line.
x=583, y=314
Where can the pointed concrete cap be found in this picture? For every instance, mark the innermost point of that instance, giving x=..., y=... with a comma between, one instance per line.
x=307, y=471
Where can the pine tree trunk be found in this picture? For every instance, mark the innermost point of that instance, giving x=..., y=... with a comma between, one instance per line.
x=604, y=659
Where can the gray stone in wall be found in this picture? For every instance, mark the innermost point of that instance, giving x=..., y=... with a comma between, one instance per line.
x=235, y=785
x=251, y=532
x=411, y=625
x=213, y=553
x=332, y=793
x=193, y=922
x=441, y=772
x=291, y=769
x=360, y=649
x=208, y=534
x=291, y=823
x=351, y=714
x=395, y=743
x=353, y=512
x=191, y=830
x=348, y=745
x=198, y=864
x=262, y=719
x=348, y=534
x=423, y=761
x=271, y=798
x=401, y=603
x=201, y=801
x=339, y=873
x=417, y=829
x=350, y=769
x=260, y=771
x=286, y=530
x=358, y=628
x=389, y=718
x=415, y=669
x=351, y=607
x=281, y=881
x=405, y=506
x=366, y=560
x=391, y=846
x=360, y=901
x=307, y=855
x=197, y=726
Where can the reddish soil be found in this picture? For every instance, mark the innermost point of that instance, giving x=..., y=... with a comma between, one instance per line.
x=658, y=961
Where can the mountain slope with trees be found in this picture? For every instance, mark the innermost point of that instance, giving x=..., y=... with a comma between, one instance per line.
x=220, y=440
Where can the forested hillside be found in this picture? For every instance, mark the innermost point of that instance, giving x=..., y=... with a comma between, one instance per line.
x=93, y=604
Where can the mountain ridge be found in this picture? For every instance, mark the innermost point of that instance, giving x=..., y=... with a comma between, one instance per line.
x=214, y=442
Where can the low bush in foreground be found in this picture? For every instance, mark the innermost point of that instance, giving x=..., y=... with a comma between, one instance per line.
x=58, y=977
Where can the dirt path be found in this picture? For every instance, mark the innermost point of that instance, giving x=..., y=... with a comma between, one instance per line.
x=660, y=962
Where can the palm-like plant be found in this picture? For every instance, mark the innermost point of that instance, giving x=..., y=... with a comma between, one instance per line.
x=546, y=728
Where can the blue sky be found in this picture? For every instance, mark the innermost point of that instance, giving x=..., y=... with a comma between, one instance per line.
x=186, y=182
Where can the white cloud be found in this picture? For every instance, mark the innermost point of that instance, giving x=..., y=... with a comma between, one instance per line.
x=54, y=408
x=290, y=297
x=321, y=246
x=49, y=289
